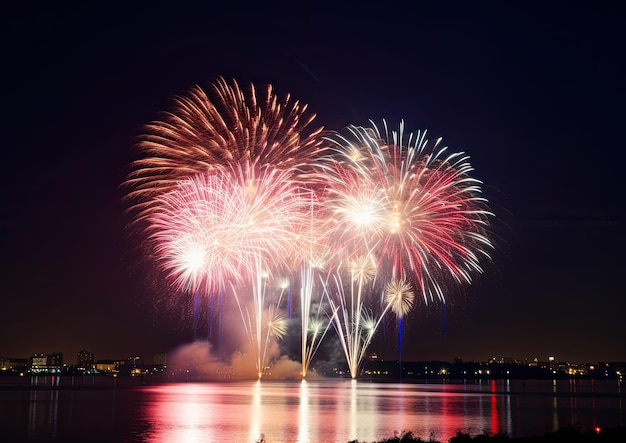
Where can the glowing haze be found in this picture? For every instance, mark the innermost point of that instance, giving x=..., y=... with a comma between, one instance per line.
x=232, y=193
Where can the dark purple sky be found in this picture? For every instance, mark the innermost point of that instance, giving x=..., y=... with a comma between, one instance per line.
x=535, y=95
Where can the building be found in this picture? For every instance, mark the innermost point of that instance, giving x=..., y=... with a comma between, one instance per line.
x=38, y=363
x=134, y=361
x=160, y=359
x=14, y=364
x=85, y=362
x=55, y=361
x=106, y=366
x=46, y=362
x=85, y=359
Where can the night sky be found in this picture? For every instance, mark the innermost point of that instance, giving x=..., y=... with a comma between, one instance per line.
x=534, y=94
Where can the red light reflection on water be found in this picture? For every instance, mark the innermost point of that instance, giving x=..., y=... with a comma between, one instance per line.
x=310, y=411
x=317, y=411
x=494, y=408
x=460, y=408
x=200, y=412
x=182, y=413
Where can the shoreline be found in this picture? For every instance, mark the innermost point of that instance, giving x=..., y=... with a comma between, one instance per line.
x=568, y=434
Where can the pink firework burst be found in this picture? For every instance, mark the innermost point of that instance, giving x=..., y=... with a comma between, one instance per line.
x=215, y=227
x=409, y=202
x=224, y=126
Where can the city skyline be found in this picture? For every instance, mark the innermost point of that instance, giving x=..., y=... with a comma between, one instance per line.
x=531, y=94
x=85, y=360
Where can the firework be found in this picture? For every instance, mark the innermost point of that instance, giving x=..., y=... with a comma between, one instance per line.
x=213, y=227
x=410, y=203
x=313, y=327
x=196, y=208
x=230, y=227
x=399, y=297
x=262, y=321
x=354, y=323
x=226, y=126
x=234, y=187
x=399, y=209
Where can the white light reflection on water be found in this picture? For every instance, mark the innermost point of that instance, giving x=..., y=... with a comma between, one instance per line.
x=309, y=411
x=341, y=410
x=256, y=413
x=303, y=412
x=353, y=409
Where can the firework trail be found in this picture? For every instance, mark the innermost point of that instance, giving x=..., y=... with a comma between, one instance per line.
x=312, y=312
x=223, y=127
x=266, y=322
x=354, y=323
x=313, y=327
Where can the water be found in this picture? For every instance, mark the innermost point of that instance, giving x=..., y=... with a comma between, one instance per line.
x=293, y=411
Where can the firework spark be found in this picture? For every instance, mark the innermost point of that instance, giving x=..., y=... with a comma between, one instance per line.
x=399, y=297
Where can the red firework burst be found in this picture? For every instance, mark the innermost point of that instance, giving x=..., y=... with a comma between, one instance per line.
x=410, y=203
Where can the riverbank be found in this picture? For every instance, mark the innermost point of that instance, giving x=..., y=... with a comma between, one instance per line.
x=570, y=434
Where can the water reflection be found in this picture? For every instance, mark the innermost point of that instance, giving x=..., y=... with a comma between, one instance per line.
x=43, y=410
x=303, y=412
x=353, y=409
x=494, y=409
x=306, y=411
x=346, y=410
x=555, y=407
x=257, y=411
